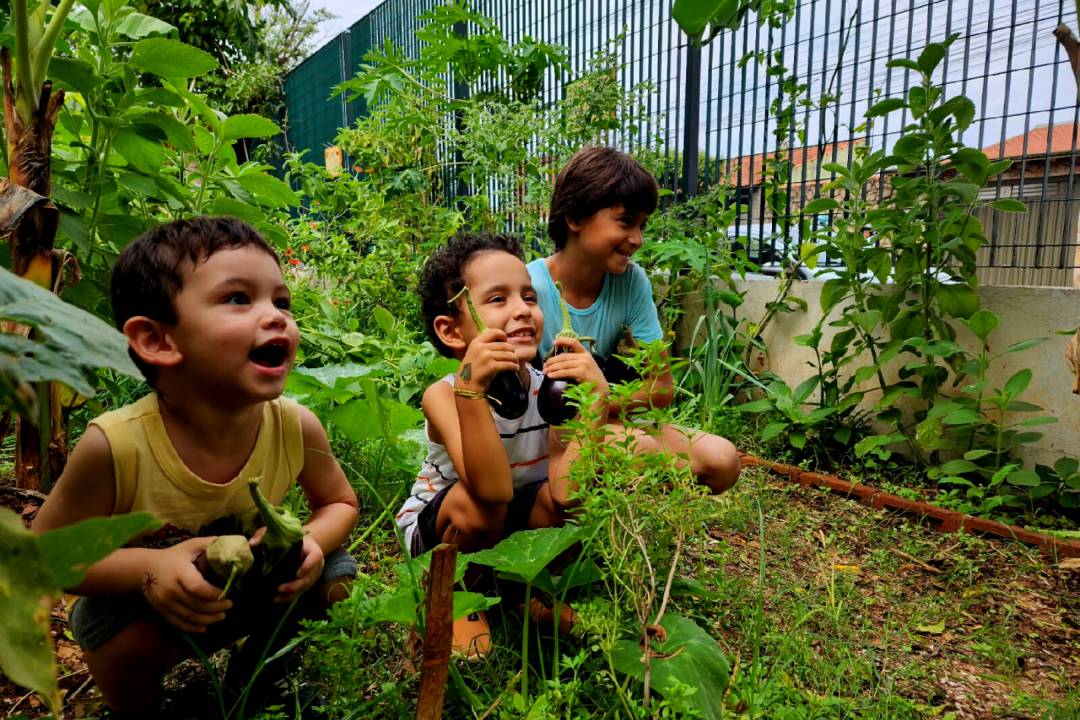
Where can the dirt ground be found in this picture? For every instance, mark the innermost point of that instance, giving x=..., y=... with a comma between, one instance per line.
x=978, y=629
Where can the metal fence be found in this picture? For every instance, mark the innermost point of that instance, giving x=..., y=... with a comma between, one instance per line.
x=1005, y=59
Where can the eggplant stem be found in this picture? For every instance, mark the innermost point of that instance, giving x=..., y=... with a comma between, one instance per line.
x=480, y=326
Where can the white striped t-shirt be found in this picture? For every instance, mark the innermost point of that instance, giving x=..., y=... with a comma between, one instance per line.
x=526, y=443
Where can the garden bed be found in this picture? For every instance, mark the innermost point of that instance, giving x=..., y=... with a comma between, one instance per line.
x=826, y=607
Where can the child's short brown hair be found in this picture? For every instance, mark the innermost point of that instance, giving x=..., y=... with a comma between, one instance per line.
x=147, y=276
x=594, y=179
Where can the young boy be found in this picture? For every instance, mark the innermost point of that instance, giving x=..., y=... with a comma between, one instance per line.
x=206, y=314
x=599, y=206
x=486, y=476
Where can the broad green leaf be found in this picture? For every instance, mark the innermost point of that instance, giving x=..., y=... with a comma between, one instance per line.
x=267, y=190
x=145, y=154
x=27, y=592
x=178, y=134
x=772, y=430
x=1018, y=383
x=338, y=375
x=982, y=324
x=63, y=327
x=466, y=603
x=27, y=361
x=248, y=126
x=884, y=107
x=957, y=467
x=137, y=26
x=70, y=551
x=929, y=58
x=931, y=628
x=171, y=58
x=755, y=406
x=383, y=319
x=524, y=554
x=977, y=454
x=693, y=16
x=366, y=419
x=687, y=655
x=1009, y=205
x=1024, y=478
x=832, y=292
x=1036, y=421
x=33, y=570
x=1066, y=467
x=238, y=209
x=74, y=75
x=957, y=300
x=820, y=205
x=904, y=63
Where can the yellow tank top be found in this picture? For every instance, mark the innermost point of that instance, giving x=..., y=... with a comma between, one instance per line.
x=151, y=477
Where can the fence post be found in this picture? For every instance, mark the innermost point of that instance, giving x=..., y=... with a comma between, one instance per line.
x=691, y=124
x=438, y=632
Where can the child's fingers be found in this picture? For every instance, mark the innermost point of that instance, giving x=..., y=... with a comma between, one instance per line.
x=572, y=343
x=492, y=335
x=198, y=588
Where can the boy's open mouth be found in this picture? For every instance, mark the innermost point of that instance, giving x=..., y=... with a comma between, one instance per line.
x=522, y=333
x=271, y=355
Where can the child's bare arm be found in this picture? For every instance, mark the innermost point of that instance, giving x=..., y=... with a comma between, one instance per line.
x=168, y=578
x=464, y=425
x=333, y=506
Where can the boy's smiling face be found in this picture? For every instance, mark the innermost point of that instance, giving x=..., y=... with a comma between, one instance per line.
x=609, y=237
x=235, y=331
x=502, y=291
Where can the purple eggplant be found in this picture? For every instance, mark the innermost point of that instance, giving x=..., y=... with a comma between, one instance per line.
x=551, y=402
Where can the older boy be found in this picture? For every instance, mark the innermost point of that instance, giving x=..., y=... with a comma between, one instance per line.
x=206, y=314
x=599, y=206
x=486, y=476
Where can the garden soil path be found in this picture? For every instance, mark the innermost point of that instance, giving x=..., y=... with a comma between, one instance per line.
x=856, y=603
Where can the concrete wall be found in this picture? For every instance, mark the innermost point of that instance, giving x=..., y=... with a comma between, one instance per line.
x=1025, y=313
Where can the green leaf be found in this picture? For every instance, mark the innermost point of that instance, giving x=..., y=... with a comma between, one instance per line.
x=982, y=323
x=137, y=26
x=755, y=406
x=145, y=154
x=384, y=319
x=820, y=205
x=957, y=467
x=884, y=107
x=832, y=292
x=466, y=603
x=1009, y=205
x=525, y=553
x=365, y=419
x=1024, y=478
x=1024, y=345
x=268, y=190
x=977, y=454
x=963, y=109
x=1018, y=383
x=1066, y=467
x=929, y=58
x=932, y=628
x=687, y=656
x=248, y=126
x=1036, y=421
x=772, y=430
x=238, y=209
x=693, y=16
x=75, y=75
x=957, y=300
x=64, y=328
x=70, y=551
x=33, y=569
x=171, y=58
x=904, y=63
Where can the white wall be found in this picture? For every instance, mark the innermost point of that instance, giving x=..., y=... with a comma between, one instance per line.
x=1025, y=313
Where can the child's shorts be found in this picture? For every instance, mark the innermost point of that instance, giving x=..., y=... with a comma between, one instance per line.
x=518, y=511
x=96, y=619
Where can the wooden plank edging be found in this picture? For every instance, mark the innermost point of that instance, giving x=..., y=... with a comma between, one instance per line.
x=933, y=516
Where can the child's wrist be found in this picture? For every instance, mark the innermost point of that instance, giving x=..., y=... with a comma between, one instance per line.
x=467, y=387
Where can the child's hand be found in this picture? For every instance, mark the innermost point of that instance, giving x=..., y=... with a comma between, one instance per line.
x=176, y=589
x=489, y=354
x=310, y=569
x=578, y=364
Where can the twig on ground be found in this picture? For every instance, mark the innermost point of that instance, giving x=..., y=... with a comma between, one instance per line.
x=917, y=561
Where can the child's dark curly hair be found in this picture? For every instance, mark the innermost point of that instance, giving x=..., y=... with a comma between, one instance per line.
x=443, y=275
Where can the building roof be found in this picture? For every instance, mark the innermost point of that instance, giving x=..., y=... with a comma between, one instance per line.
x=747, y=171
x=1041, y=141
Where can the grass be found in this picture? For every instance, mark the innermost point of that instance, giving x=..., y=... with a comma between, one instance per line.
x=826, y=609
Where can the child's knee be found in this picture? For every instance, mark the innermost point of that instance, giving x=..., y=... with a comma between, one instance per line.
x=716, y=462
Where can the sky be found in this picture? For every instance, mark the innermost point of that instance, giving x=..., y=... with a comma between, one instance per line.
x=347, y=11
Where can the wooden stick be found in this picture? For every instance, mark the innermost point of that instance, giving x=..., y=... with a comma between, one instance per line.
x=438, y=633
x=917, y=561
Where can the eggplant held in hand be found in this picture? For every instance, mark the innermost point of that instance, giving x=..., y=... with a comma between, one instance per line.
x=551, y=402
x=254, y=576
x=509, y=397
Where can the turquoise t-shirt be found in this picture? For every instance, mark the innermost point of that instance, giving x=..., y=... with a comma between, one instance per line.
x=624, y=300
